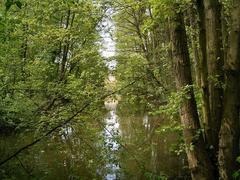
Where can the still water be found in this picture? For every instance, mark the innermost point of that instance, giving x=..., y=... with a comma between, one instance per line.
x=117, y=145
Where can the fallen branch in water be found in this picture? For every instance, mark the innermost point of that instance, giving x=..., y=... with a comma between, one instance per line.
x=61, y=124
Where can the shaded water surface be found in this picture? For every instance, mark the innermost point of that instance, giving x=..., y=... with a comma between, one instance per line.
x=115, y=146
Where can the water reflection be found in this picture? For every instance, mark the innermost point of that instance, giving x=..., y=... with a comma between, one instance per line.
x=144, y=151
x=111, y=132
x=150, y=148
x=123, y=145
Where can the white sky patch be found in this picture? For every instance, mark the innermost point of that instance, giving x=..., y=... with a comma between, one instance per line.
x=109, y=45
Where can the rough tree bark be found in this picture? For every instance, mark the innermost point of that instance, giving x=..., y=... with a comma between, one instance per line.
x=215, y=69
x=203, y=63
x=207, y=119
x=229, y=133
x=199, y=164
x=194, y=41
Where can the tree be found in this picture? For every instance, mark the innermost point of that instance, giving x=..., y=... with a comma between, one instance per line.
x=229, y=133
x=48, y=58
x=219, y=93
x=199, y=162
x=215, y=69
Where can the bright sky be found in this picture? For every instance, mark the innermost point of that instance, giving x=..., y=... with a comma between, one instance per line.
x=109, y=48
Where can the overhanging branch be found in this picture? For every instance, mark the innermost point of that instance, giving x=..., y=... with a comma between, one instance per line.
x=87, y=104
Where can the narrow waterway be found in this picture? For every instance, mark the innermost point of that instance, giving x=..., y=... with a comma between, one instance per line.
x=127, y=146
x=141, y=151
x=115, y=144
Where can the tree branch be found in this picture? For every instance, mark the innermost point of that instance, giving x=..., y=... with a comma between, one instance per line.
x=61, y=124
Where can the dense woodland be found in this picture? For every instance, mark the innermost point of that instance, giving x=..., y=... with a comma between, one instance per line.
x=177, y=59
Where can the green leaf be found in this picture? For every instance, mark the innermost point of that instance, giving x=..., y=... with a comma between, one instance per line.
x=236, y=175
x=8, y=4
x=238, y=159
x=19, y=4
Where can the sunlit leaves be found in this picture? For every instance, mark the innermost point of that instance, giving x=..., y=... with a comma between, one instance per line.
x=34, y=40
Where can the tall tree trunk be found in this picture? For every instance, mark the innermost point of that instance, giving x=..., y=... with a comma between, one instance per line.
x=194, y=42
x=229, y=133
x=203, y=64
x=225, y=18
x=199, y=164
x=215, y=69
x=207, y=119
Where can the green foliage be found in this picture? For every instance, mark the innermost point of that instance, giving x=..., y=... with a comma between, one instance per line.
x=151, y=176
x=50, y=67
x=34, y=43
x=171, y=111
x=9, y=3
x=174, y=102
x=142, y=54
x=236, y=174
